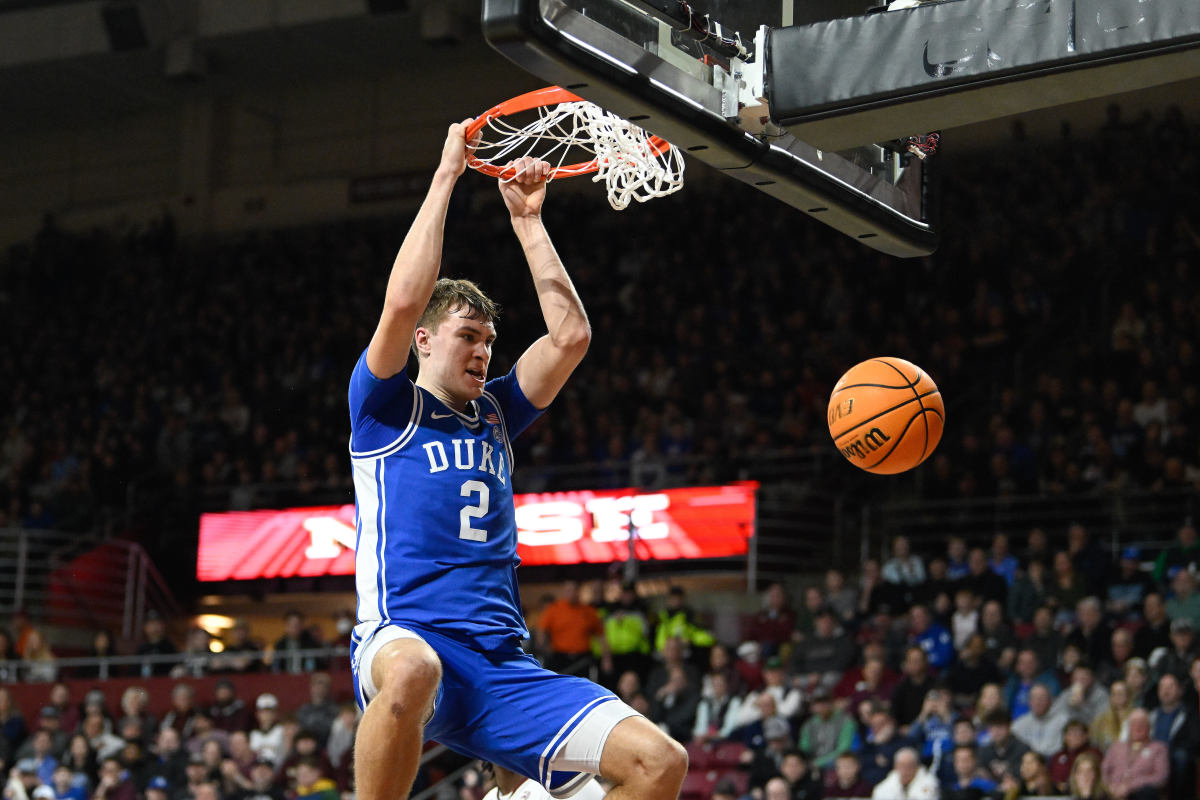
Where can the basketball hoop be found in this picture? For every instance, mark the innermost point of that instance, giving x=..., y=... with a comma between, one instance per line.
x=633, y=164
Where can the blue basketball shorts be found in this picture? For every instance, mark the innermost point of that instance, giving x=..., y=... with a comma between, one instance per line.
x=503, y=707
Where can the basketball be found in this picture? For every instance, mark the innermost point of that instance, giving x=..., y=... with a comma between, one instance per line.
x=885, y=415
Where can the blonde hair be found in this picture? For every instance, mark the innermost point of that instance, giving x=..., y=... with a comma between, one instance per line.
x=451, y=295
x=1098, y=789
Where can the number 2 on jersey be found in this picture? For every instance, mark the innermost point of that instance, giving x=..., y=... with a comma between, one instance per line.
x=465, y=531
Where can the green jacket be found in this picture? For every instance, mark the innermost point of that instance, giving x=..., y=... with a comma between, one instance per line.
x=681, y=625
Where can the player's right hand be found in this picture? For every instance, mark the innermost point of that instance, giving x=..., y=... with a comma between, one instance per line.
x=454, y=151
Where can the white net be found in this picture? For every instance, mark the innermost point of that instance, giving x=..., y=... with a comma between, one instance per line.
x=631, y=164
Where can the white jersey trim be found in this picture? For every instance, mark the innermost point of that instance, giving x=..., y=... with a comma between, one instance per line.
x=409, y=431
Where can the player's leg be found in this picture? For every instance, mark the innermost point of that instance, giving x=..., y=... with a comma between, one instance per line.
x=404, y=675
x=508, y=782
x=642, y=761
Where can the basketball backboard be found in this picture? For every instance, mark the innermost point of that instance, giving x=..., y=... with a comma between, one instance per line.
x=693, y=73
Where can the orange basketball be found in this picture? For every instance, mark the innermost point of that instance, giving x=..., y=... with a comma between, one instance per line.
x=886, y=415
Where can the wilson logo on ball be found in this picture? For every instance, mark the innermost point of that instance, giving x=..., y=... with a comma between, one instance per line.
x=885, y=415
x=867, y=444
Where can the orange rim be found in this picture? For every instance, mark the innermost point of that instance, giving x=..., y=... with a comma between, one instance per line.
x=549, y=96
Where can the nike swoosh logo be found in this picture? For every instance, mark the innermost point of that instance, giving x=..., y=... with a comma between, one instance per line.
x=435, y=415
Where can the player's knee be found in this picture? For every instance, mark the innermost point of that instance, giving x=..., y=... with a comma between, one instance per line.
x=413, y=671
x=663, y=762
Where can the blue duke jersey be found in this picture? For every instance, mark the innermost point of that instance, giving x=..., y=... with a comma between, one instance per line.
x=436, y=529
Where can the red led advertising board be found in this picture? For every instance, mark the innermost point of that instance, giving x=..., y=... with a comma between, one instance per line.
x=553, y=528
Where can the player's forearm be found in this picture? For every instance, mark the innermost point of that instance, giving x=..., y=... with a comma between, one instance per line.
x=419, y=260
x=566, y=320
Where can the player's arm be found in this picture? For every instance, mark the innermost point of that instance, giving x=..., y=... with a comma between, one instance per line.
x=417, y=264
x=544, y=368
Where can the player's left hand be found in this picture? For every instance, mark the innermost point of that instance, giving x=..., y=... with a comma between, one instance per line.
x=525, y=192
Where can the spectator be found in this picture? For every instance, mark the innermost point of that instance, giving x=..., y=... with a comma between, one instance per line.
x=874, y=593
x=904, y=568
x=99, y=740
x=717, y=710
x=269, y=739
x=1001, y=756
x=40, y=749
x=763, y=708
x=566, y=629
x=882, y=741
x=1044, y=640
x=1085, y=782
x=1185, y=602
x=1129, y=587
x=986, y=584
x=293, y=651
x=672, y=657
x=1183, y=555
x=47, y=738
x=169, y=759
x=776, y=789
x=787, y=699
x=1120, y=650
x=1066, y=588
x=1177, y=726
x=1155, y=631
x=305, y=747
x=102, y=651
x=931, y=637
x=874, y=685
x=825, y=655
x=677, y=620
x=66, y=787
x=1091, y=634
x=156, y=647
x=1137, y=768
x=772, y=627
x=673, y=705
x=933, y=726
x=1034, y=780
x=1177, y=658
x=312, y=783
x=845, y=780
x=196, y=773
x=183, y=712
x=134, y=703
x=196, y=658
x=1088, y=559
x=12, y=724
x=909, y=695
x=840, y=597
x=241, y=757
x=241, y=653
x=908, y=780
x=1027, y=592
x=158, y=788
x=1040, y=728
x=970, y=672
x=1107, y=726
x=970, y=782
x=318, y=714
x=263, y=785
x=1084, y=699
x=38, y=664
x=22, y=780
x=803, y=783
x=627, y=634
x=963, y=734
x=341, y=738
x=956, y=558
x=80, y=759
x=114, y=782
x=828, y=732
x=228, y=711
x=1075, y=743
x=964, y=622
x=1002, y=562
x=997, y=635
x=1027, y=673
x=765, y=757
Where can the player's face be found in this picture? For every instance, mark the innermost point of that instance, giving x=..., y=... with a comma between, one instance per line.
x=459, y=353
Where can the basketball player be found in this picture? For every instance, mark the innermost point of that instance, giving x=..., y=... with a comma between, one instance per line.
x=436, y=652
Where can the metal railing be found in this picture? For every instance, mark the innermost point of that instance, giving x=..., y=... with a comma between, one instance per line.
x=180, y=665
x=1115, y=520
x=80, y=580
